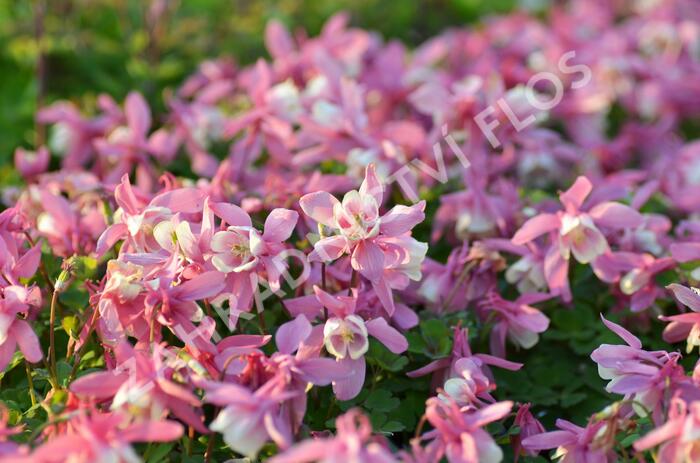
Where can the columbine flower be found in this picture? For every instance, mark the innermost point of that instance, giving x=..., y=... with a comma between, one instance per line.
x=16, y=331
x=574, y=444
x=684, y=326
x=638, y=374
x=346, y=338
x=353, y=442
x=458, y=432
x=678, y=436
x=577, y=232
x=375, y=243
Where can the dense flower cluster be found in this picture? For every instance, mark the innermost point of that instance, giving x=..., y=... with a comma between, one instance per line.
x=231, y=277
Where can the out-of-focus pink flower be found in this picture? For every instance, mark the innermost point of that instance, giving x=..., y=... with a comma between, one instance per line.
x=353, y=442
x=141, y=384
x=104, y=437
x=249, y=419
x=678, y=436
x=31, y=163
x=458, y=433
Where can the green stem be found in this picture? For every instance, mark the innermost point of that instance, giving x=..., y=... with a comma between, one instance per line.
x=30, y=382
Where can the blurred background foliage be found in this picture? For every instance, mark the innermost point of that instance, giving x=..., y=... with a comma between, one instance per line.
x=77, y=49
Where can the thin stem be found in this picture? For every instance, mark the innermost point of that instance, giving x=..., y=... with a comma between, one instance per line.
x=30, y=382
x=52, y=337
x=210, y=447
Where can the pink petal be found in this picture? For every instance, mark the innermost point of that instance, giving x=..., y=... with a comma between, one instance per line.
x=307, y=451
x=615, y=215
x=663, y=433
x=138, y=114
x=185, y=200
x=329, y=249
x=368, y=259
x=490, y=413
x=387, y=335
x=573, y=197
x=556, y=271
x=548, y=440
x=277, y=40
x=101, y=385
x=346, y=389
x=291, y=334
x=231, y=214
x=401, y=219
x=323, y=371
x=319, y=206
x=109, y=237
x=27, y=264
x=27, y=341
x=534, y=227
x=153, y=431
x=7, y=351
x=371, y=185
x=685, y=296
x=204, y=285
x=280, y=224
x=626, y=336
x=685, y=252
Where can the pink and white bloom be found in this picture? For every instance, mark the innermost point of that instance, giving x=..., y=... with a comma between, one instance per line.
x=346, y=337
x=374, y=242
x=575, y=231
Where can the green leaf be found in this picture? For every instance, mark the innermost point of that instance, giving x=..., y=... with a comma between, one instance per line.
x=159, y=452
x=70, y=325
x=381, y=400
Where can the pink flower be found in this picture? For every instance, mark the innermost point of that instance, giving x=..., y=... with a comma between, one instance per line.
x=104, y=437
x=687, y=325
x=353, y=442
x=640, y=375
x=678, y=436
x=445, y=368
x=576, y=230
x=575, y=444
x=241, y=247
x=346, y=338
x=529, y=426
x=14, y=331
x=30, y=163
x=517, y=320
x=375, y=243
x=458, y=433
x=249, y=419
x=142, y=384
